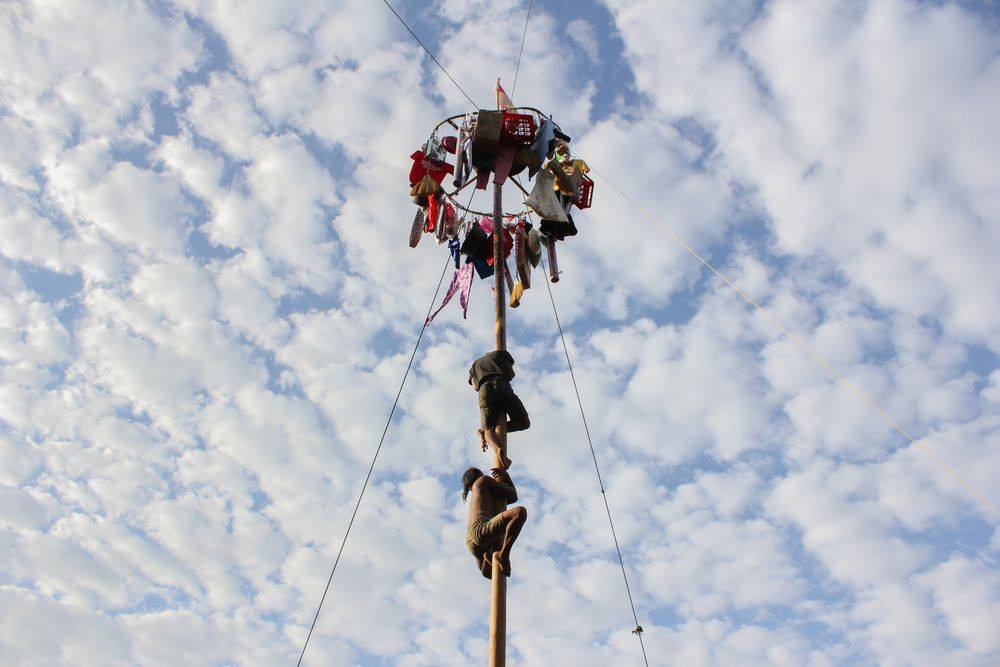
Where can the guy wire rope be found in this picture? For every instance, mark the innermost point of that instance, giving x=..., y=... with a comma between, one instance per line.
x=600, y=480
x=364, y=487
x=517, y=68
x=388, y=421
x=410, y=30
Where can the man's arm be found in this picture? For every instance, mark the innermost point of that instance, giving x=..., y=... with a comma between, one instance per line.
x=502, y=485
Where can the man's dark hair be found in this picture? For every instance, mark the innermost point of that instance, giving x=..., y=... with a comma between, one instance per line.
x=468, y=479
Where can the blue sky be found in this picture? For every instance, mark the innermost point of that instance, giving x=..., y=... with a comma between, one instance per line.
x=208, y=302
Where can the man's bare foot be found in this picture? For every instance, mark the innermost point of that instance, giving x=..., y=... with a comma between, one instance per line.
x=504, y=562
x=486, y=567
x=482, y=439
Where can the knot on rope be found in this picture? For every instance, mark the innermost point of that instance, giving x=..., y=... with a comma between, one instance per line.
x=638, y=630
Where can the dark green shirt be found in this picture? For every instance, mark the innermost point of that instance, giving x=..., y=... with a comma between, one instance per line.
x=498, y=362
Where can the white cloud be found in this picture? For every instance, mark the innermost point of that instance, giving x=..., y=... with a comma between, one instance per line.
x=582, y=32
x=207, y=305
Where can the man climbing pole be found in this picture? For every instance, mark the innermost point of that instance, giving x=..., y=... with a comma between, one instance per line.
x=491, y=530
x=490, y=375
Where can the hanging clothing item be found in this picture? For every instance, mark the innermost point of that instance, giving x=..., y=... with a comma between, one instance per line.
x=461, y=164
x=523, y=158
x=508, y=246
x=454, y=248
x=486, y=138
x=483, y=270
x=522, y=252
x=466, y=150
x=482, y=178
x=461, y=283
x=465, y=290
x=477, y=243
x=542, y=147
x=486, y=224
x=534, y=247
x=433, y=206
x=569, y=174
x=423, y=165
x=449, y=220
x=558, y=230
x=417, y=228
x=503, y=162
x=542, y=199
x=441, y=232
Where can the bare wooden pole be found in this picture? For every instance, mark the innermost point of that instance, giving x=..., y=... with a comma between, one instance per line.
x=498, y=616
x=499, y=304
x=498, y=587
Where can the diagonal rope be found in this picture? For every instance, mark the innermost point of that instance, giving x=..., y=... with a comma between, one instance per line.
x=378, y=449
x=600, y=480
x=371, y=467
x=802, y=344
x=410, y=30
x=517, y=68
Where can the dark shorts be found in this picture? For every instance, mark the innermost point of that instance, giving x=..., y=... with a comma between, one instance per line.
x=485, y=535
x=496, y=398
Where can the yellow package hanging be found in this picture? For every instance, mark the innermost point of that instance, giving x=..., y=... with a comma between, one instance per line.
x=425, y=187
x=516, y=293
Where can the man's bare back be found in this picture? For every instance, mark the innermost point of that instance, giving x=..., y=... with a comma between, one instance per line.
x=491, y=528
x=487, y=500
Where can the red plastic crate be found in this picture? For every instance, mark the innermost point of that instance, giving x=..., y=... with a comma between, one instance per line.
x=518, y=128
x=585, y=195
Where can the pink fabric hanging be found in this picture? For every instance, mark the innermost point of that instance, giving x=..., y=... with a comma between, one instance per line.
x=461, y=282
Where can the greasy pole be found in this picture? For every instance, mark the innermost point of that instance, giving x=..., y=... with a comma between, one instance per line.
x=498, y=586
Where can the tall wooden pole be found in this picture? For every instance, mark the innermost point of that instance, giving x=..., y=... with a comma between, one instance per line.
x=498, y=586
x=499, y=304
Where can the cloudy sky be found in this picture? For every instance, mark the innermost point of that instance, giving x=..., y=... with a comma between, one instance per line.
x=207, y=303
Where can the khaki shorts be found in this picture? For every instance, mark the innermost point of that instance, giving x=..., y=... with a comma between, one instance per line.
x=485, y=535
x=496, y=398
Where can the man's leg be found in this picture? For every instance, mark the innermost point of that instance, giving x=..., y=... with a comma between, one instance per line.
x=517, y=415
x=491, y=414
x=521, y=424
x=514, y=519
x=498, y=443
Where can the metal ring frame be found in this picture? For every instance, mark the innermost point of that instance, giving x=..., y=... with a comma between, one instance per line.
x=451, y=195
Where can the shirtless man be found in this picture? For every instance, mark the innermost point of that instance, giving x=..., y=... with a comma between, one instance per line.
x=490, y=376
x=490, y=529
